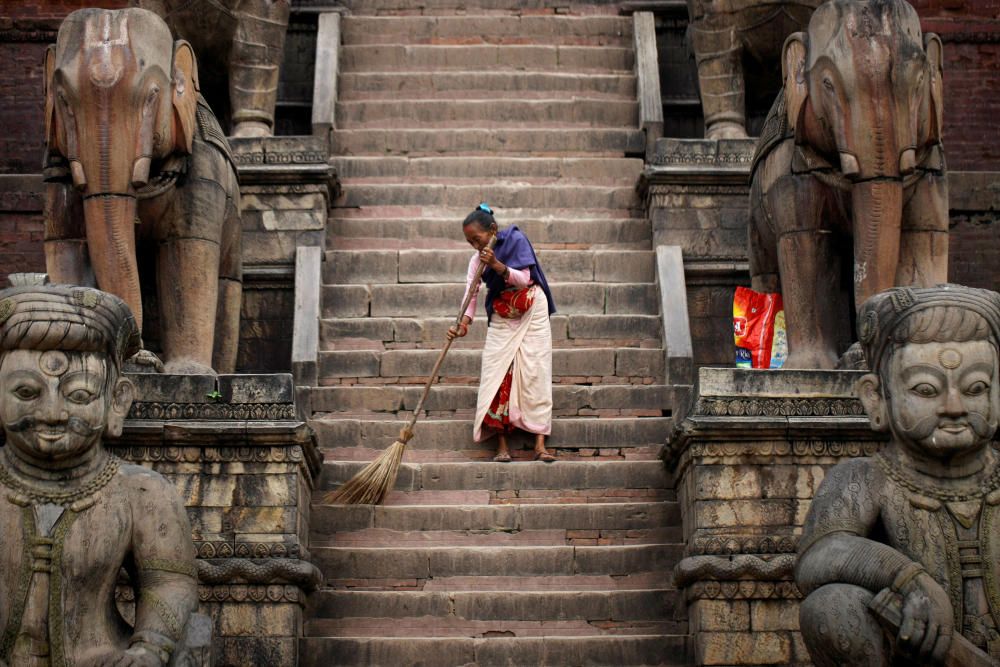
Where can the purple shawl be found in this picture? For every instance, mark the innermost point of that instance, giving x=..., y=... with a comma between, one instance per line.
x=514, y=249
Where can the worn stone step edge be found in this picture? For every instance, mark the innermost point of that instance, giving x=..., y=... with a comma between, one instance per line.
x=528, y=516
x=489, y=28
x=393, y=398
x=498, y=141
x=545, y=57
x=622, y=651
x=604, y=170
x=470, y=84
x=425, y=562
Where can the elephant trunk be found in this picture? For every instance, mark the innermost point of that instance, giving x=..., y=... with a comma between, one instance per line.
x=110, y=226
x=877, y=213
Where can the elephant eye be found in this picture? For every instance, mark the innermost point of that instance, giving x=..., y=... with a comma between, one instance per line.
x=828, y=84
x=65, y=104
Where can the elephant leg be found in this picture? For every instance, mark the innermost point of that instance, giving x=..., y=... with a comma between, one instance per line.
x=67, y=259
x=258, y=48
x=227, y=319
x=839, y=630
x=186, y=286
x=810, y=270
x=762, y=244
x=718, y=54
x=923, y=249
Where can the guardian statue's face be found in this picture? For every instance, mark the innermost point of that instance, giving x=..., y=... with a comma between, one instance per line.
x=943, y=397
x=55, y=405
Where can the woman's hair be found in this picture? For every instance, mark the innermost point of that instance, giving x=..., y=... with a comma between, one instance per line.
x=482, y=216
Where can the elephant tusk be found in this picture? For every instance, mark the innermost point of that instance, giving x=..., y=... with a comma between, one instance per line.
x=907, y=161
x=79, y=178
x=849, y=165
x=140, y=172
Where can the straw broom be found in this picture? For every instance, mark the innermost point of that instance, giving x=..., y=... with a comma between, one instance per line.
x=376, y=479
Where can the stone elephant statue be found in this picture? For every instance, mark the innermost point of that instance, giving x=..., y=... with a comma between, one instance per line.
x=136, y=161
x=725, y=33
x=850, y=156
x=240, y=46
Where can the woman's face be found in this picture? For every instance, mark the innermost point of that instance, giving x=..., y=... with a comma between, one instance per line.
x=476, y=235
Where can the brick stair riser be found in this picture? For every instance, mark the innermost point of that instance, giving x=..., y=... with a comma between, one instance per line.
x=502, y=194
x=451, y=266
x=399, y=398
x=421, y=300
x=456, y=434
x=499, y=141
x=497, y=582
x=357, y=331
x=407, y=9
x=624, y=650
x=446, y=233
x=474, y=85
x=626, y=363
x=456, y=627
x=582, y=520
x=419, y=563
x=590, y=30
x=402, y=57
x=521, y=450
x=593, y=170
x=479, y=113
x=648, y=605
x=380, y=537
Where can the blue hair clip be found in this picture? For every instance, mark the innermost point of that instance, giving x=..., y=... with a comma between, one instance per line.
x=485, y=208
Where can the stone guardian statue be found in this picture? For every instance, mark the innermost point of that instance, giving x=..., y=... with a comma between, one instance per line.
x=72, y=515
x=900, y=554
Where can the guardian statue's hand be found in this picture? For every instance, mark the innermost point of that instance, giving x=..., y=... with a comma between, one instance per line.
x=928, y=620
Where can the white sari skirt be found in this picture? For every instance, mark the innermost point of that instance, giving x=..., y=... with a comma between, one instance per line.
x=525, y=347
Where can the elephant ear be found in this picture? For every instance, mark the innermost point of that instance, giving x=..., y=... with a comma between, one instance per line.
x=51, y=129
x=793, y=73
x=185, y=95
x=935, y=85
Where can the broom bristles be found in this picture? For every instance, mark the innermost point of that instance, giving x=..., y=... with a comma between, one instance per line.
x=373, y=482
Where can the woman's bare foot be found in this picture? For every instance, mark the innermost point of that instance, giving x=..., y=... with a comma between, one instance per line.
x=542, y=454
x=503, y=454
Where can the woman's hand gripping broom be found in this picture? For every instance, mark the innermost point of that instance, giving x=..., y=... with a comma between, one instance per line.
x=375, y=480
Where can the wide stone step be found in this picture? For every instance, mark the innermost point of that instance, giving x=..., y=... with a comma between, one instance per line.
x=621, y=651
x=499, y=582
x=447, y=114
x=355, y=330
x=332, y=519
x=566, y=362
x=546, y=57
x=424, y=563
x=647, y=605
x=483, y=85
x=603, y=170
x=498, y=141
x=441, y=233
x=456, y=434
x=444, y=299
x=551, y=29
x=354, y=267
x=506, y=194
x=567, y=399
x=407, y=8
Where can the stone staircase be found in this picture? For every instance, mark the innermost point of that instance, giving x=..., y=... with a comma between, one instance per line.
x=470, y=561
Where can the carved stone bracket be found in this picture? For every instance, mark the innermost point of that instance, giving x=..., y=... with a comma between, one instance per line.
x=295, y=571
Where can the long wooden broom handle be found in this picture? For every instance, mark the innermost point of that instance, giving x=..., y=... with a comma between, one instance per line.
x=407, y=431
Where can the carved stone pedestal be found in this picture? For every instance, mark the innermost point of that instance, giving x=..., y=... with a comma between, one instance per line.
x=245, y=466
x=696, y=194
x=748, y=457
x=286, y=187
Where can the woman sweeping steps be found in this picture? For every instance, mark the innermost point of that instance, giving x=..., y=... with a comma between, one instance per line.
x=515, y=385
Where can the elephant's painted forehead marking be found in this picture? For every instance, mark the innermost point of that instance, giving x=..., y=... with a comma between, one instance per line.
x=105, y=60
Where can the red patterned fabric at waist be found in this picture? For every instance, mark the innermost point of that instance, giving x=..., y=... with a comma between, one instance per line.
x=513, y=303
